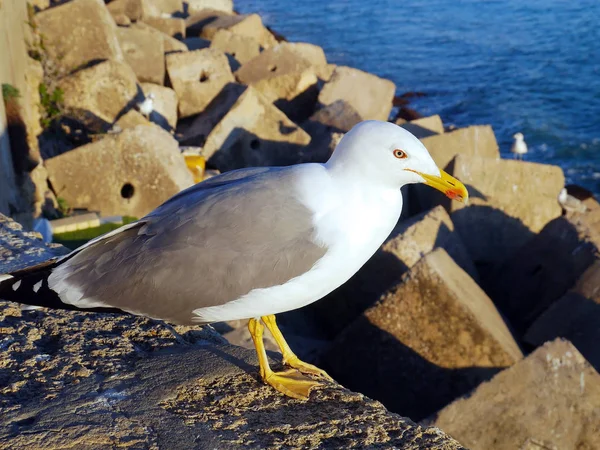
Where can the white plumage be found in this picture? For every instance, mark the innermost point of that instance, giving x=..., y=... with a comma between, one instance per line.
x=147, y=106
x=519, y=147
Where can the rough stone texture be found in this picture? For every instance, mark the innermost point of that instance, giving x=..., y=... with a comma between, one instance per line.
x=509, y=201
x=242, y=48
x=251, y=133
x=45, y=200
x=552, y=397
x=20, y=249
x=131, y=9
x=110, y=381
x=196, y=21
x=368, y=94
x=339, y=116
x=544, y=269
x=144, y=52
x=282, y=59
x=478, y=140
x=407, y=244
x=293, y=93
x=195, y=130
x=588, y=285
x=245, y=25
x=217, y=5
x=425, y=127
x=127, y=174
x=165, y=104
x=573, y=317
x=30, y=106
x=130, y=119
x=171, y=44
x=428, y=340
x=413, y=238
x=98, y=95
x=91, y=34
x=197, y=78
x=159, y=8
x=171, y=26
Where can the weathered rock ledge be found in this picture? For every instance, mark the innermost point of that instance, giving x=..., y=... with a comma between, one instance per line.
x=88, y=380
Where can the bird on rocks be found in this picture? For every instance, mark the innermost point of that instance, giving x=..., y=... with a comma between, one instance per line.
x=146, y=106
x=519, y=147
x=248, y=244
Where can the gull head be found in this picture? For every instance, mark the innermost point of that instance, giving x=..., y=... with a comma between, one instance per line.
x=384, y=153
x=518, y=136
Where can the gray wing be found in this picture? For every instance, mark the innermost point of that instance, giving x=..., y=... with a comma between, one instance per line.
x=208, y=245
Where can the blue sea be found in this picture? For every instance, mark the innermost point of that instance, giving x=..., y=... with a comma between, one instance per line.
x=530, y=66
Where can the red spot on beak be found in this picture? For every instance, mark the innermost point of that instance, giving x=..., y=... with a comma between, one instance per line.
x=453, y=194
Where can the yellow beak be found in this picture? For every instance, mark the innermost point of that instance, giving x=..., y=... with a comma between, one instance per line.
x=447, y=184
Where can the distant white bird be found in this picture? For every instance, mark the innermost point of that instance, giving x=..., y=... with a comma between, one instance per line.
x=147, y=106
x=519, y=147
x=570, y=203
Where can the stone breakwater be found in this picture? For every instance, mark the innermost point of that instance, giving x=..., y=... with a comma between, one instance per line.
x=456, y=321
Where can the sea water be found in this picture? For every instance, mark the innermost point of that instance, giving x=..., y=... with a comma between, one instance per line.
x=522, y=66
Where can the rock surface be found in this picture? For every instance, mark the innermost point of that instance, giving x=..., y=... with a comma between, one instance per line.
x=108, y=381
x=197, y=78
x=368, y=94
x=99, y=95
x=128, y=174
x=251, y=133
x=171, y=45
x=90, y=36
x=280, y=60
x=144, y=52
x=160, y=8
x=216, y=5
x=552, y=398
x=171, y=26
x=544, y=269
x=429, y=339
x=242, y=48
x=510, y=200
x=425, y=127
x=249, y=25
x=478, y=140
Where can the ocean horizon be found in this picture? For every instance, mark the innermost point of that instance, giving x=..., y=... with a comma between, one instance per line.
x=522, y=67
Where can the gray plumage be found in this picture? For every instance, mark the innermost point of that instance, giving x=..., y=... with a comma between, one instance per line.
x=204, y=247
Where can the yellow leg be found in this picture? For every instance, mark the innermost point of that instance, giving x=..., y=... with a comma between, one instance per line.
x=289, y=382
x=289, y=357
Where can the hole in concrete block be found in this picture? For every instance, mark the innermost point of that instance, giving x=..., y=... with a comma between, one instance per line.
x=254, y=144
x=272, y=68
x=203, y=77
x=127, y=190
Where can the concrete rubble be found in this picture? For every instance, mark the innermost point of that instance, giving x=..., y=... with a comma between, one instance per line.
x=429, y=339
x=145, y=168
x=551, y=399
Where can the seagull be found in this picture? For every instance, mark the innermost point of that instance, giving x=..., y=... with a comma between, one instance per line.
x=519, y=147
x=571, y=203
x=146, y=106
x=247, y=244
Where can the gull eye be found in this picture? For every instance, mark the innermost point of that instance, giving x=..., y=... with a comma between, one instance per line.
x=400, y=154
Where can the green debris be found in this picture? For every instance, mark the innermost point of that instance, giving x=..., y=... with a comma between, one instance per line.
x=75, y=239
x=51, y=103
x=9, y=92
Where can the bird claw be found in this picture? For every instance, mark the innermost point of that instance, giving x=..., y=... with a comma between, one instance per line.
x=291, y=383
x=306, y=368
